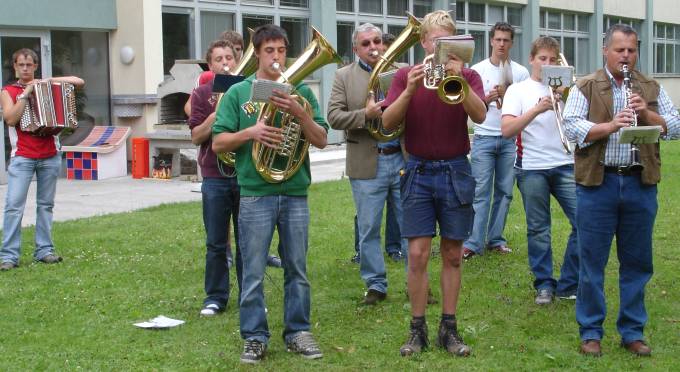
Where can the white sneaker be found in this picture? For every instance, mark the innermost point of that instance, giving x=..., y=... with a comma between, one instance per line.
x=210, y=310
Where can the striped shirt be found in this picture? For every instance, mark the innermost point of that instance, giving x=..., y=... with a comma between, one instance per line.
x=617, y=154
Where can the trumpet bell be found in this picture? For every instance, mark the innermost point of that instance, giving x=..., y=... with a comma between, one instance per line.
x=453, y=90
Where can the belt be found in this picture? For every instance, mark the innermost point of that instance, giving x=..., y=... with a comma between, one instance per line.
x=389, y=150
x=622, y=171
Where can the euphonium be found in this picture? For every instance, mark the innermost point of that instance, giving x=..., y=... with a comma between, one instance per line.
x=279, y=164
x=246, y=66
x=635, y=164
x=406, y=39
x=450, y=89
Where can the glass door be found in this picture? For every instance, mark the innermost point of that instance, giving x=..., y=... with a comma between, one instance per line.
x=11, y=41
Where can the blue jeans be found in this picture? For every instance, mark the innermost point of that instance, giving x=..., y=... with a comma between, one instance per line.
x=492, y=160
x=392, y=231
x=257, y=218
x=536, y=187
x=20, y=173
x=370, y=196
x=220, y=203
x=623, y=207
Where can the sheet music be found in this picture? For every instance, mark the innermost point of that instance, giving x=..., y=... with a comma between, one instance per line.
x=463, y=46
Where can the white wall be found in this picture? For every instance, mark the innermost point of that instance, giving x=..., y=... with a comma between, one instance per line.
x=583, y=6
x=629, y=9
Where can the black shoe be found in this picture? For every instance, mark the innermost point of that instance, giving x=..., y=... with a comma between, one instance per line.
x=273, y=261
x=417, y=339
x=449, y=339
x=253, y=352
x=396, y=256
x=51, y=259
x=356, y=258
x=304, y=344
x=6, y=266
x=373, y=296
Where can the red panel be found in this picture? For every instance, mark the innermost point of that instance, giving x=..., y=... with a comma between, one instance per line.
x=69, y=155
x=87, y=155
x=70, y=175
x=87, y=174
x=58, y=104
x=94, y=164
x=77, y=163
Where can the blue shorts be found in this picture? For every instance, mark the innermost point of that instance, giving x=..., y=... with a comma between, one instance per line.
x=437, y=191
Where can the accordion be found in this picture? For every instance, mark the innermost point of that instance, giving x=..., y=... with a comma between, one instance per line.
x=49, y=108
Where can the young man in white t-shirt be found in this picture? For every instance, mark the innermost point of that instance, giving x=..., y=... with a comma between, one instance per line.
x=492, y=155
x=542, y=168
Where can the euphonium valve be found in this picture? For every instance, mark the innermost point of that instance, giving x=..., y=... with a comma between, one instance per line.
x=451, y=89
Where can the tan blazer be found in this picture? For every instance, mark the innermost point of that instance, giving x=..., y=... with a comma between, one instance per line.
x=346, y=111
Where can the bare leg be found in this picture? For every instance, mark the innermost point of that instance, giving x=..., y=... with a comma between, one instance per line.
x=418, y=256
x=451, y=251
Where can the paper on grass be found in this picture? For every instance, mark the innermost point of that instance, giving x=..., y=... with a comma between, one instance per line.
x=160, y=321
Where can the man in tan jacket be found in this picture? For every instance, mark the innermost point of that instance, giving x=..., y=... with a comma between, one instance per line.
x=373, y=167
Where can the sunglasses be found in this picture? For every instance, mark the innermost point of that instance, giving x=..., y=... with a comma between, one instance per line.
x=366, y=43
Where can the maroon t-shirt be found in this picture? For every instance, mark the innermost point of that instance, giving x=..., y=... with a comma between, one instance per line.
x=434, y=130
x=203, y=103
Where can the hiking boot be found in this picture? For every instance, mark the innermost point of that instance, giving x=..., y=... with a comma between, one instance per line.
x=253, y=351
x=51, y=259
x=374, y=296
x=5, y=266
x=449, y=339
x=544, y=297
x=304, y=344
x=417, y=339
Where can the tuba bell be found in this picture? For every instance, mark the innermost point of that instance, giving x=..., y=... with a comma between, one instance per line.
x=385, y=69
x=278, y=164
x=246, y=66
x=451, y=89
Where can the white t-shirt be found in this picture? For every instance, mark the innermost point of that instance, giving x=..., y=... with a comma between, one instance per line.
x=538, y=145
x=491, y=76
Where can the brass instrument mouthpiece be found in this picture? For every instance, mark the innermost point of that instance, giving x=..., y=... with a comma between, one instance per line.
x=374, y=53
x=276, y=66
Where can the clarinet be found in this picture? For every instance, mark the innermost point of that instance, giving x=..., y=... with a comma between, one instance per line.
x=635, y=164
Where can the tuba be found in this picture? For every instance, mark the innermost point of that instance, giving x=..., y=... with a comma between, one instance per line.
x=246, y=66
x=281, y=163
x=385, y=69
x=450, y=89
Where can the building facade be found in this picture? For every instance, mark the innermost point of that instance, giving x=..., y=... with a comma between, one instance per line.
x=125, y=48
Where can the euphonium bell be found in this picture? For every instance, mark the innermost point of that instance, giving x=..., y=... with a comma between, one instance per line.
x=279, y=164
x=247, y=66
x=406, y=39
x=451, y=89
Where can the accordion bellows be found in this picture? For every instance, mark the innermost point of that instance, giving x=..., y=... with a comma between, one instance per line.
x=50, y=105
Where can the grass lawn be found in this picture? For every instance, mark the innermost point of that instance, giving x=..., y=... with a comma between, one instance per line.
x=124, y=268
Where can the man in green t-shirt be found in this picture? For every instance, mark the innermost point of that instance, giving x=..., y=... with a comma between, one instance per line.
x=265, y=205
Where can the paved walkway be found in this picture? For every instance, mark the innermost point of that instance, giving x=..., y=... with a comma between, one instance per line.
x=78, y=199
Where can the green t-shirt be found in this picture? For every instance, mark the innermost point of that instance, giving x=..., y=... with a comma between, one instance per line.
x=232, y=116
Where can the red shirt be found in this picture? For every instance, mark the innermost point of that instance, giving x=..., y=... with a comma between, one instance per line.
x=434, y=130
x=26, y=144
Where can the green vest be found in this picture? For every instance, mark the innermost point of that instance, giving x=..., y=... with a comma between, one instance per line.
x=589, y=161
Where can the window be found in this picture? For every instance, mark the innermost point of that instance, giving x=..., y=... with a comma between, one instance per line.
x=344, y=5
x=344, y=50
x=422, y=7
x=371, y=6
x=477, y=19
x=397, y=7
x=212, y=25
x=176, y=38
x=253, y=21
x=295, y=3
x=261, y=2
x=298, y=35
x=396, y=30
x=85, y=54
x=568, y=29
x=666, y=48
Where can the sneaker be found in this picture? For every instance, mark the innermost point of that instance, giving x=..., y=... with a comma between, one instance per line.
x=468, y=253
x=449, y=339
x=274, y=261
x=396, y=256
x=544, y=297
x=210, y=310
x=304, y=344
x=502, y=249
x=373, y=296
x=356, y=258
x=417, y=339
x=5, y=266
x=253, y=352
x=51, y=258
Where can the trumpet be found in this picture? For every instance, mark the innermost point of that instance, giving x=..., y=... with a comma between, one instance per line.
x=451, y=89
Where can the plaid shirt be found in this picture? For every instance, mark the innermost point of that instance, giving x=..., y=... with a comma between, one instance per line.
x=617, y=154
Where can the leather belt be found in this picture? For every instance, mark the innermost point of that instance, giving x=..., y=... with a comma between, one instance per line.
x=389, y=150
x=622, y=171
